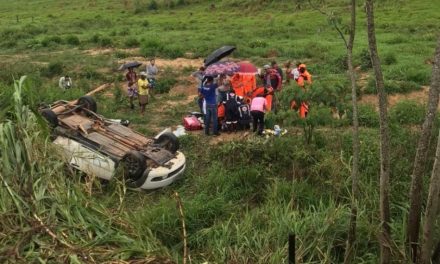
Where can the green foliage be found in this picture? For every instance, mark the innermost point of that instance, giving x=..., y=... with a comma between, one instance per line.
x=164, y=84
x=154, y=48
x=367, y=115
x=53, y=69
x=51, y=41
x=365, y=60
x=105, y=42
x=95, y=38
x=72, y=40
x=392, y=86
x=389, y=58
x=408, y=112
x=153, y=5
x=131, y=43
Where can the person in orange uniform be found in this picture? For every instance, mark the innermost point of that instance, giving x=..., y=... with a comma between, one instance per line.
x=304, y=78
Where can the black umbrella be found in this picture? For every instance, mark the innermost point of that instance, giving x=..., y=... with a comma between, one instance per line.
x=133, y=64
x=218, y=55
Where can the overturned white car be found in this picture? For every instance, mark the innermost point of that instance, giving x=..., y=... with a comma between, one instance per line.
x=98, y=146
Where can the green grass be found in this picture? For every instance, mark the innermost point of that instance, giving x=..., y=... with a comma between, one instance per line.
x=242, y=198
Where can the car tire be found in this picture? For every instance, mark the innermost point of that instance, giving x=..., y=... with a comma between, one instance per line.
x=168, y=141
x=88, y=103
x=134, y=164
x=50, y=117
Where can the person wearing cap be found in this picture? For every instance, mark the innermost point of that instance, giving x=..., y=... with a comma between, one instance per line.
x=131, y=78
x=143, y=86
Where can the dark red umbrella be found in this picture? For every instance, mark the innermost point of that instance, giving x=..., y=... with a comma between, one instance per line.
x=246, y=67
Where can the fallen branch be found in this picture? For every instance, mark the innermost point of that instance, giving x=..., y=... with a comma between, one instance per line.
x=52, y=234
x=186, y=254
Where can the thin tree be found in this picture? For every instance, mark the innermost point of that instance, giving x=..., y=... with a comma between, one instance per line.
x=355, y=130
x=416, y=191
x=385, y=233
x=432, y=206
x=356, y=149
x=431, y=211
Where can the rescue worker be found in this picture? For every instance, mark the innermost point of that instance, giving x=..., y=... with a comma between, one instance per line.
x=258, y=108
x=304, y=77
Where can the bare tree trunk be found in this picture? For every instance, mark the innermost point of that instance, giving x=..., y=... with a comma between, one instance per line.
x=385, y=234
x=416, y=192
x=431, y=210
x=355, y=166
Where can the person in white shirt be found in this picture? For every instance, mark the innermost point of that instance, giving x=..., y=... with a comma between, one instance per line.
x=65, y=82
x=295, y=71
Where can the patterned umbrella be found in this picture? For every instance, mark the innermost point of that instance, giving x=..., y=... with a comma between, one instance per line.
x=246, y=68
x=223, y=67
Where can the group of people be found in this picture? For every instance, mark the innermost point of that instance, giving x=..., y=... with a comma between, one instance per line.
x=225, y=110
x=141, y=88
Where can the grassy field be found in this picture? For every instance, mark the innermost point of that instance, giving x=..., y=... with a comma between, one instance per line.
x=242, y=195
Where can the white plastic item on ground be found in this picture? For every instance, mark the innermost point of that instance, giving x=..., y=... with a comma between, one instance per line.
x=277, y=130
x=180, y=131
x=166, y=130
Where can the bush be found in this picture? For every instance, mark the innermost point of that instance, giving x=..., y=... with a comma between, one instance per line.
x=131, y=43
x=95, y=38
x=389, y=59
x=165, y=84
x=340, y=64
x=72, y=40
x=151, y=48
x=145, y=23
x=257, y=44
x=105, y=42
x=49, y=41
x=392, y=87
x=153, y=5
x=408, y=112
x=367, y=115
x=365, y=60
x=53, y=69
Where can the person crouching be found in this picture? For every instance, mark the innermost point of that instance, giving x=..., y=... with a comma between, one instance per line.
x=143, y=87
x=258, y=108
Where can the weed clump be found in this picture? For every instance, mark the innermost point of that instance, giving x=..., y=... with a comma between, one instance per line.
x=72, y=40
x=367, y=115
x=365, y=60
x=408, y=112
x=51, y=40
x=53, y=69
x=131, y=43
x=105, y=42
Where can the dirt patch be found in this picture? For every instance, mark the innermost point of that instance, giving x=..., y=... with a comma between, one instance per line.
x=178, y=63
x=105, y=51
x=418, y=96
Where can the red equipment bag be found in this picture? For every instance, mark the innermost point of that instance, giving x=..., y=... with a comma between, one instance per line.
x=191, y=123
